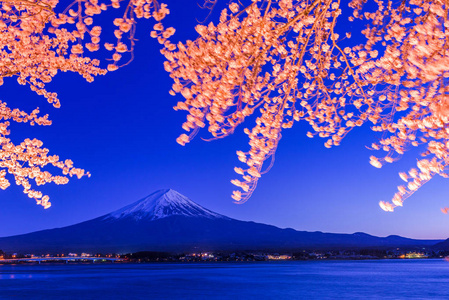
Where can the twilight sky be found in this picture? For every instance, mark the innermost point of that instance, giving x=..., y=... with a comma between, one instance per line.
x=122, y=128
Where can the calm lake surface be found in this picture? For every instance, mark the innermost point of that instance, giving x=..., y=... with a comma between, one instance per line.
x=374, y=279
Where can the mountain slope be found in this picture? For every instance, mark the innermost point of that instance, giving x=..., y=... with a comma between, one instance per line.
x=162, y=204
x=169, y=221
x=444, y=245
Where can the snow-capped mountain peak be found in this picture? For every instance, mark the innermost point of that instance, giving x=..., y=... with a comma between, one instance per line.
x=162, y=204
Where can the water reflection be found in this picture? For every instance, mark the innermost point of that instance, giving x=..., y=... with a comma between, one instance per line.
x=376, y=279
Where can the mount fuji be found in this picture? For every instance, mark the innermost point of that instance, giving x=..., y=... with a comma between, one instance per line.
x=168, y=221
x=162, y=204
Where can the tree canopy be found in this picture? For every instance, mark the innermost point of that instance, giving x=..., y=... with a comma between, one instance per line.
x=38, y=40
x=271, y=62
x=288, y=61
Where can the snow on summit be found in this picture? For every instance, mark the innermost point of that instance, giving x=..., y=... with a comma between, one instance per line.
x=162, y=204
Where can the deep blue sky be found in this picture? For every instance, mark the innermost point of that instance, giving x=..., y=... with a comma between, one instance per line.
x=122, y=129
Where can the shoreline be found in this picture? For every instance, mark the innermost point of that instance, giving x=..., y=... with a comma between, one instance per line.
x=81, y=262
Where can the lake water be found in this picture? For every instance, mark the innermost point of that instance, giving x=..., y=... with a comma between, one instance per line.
x=373, y=279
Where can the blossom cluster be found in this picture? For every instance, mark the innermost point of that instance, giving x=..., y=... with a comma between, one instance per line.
x=38, y=39
x=283, y=61
x=280, y=60
x=413, y=37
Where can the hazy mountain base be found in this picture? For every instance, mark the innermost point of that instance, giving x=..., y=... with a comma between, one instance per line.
x=185, y=226
x=179, y=234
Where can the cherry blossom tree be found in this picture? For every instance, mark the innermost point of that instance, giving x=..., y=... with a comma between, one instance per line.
x=38, y=39
x=285, y=61
x=281, y=61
